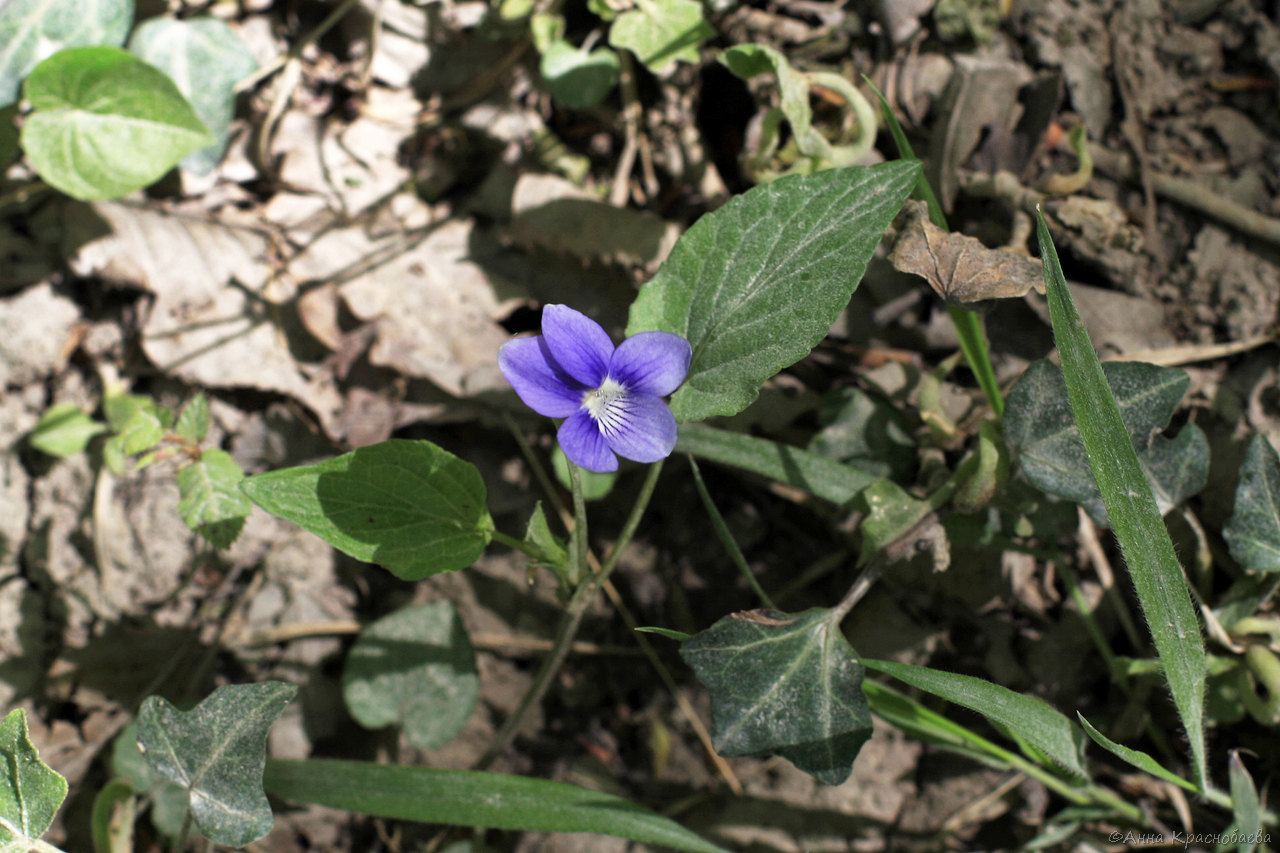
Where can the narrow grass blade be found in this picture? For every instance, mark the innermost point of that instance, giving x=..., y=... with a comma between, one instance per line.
x=471, y=798
x=1027, y=718
x=1135, y=757
x=1144, y=541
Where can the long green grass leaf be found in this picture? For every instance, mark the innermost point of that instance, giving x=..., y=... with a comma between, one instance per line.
x=1144, y=541
x=470, y=798
x=1027, y=718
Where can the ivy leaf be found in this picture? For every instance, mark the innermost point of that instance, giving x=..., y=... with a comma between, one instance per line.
x=104, y=123
x=32, y=30
x=410, y=506
x=415, y=668
x=30, y=790
x=1045, y=441
x=578, y=79
x=210, y=500
x=1253, y=532
x=784, y=683
x=755, y=285
x=64, y=430
x=206, y=60
x=217, y=752
x=660, y=32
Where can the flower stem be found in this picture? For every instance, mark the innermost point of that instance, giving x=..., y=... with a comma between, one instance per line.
x=572, y=616
x=578, y=545
x=722, y=530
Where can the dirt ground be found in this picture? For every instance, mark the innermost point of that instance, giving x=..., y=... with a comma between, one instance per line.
x=392, y=209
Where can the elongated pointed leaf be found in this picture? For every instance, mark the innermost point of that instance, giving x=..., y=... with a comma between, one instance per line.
x=1026, y=717
x=216, y=752
x=1245, y=832
x=33, y=30
x=1135, y=519
x=30, y=790
x=414, y=668
x=783, y=683
x=406, y=505
x=822, y=477
x=104, y=123
x=755, y=285
x=469, y=798
x=1134, y=757
x=1253, y=533
x=210, y=500
x=1043, y=435
x=206, y=60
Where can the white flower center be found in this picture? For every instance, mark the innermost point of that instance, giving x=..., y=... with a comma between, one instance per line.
x=600, y=402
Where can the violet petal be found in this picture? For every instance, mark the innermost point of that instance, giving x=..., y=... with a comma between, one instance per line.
x=578, y=343
x=651, y=363
x=582, y=442
x=539, y=381
x=639, y=427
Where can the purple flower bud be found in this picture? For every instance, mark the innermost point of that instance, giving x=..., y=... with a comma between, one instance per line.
x=610, y=398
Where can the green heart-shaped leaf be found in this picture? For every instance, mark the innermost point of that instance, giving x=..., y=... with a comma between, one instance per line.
x=104, y=123
x=414, y=668
x=410, y=506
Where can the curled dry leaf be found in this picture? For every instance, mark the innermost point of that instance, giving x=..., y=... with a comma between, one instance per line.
x=960, y=268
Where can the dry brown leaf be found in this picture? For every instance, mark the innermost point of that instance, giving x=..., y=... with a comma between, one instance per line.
x=436, y=312
x=217, y=317
x=960, y=268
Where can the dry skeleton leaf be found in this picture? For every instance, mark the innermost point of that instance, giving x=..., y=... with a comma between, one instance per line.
x=960, y=268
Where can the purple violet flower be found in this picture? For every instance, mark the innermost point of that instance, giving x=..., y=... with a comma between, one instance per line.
x=611, y=398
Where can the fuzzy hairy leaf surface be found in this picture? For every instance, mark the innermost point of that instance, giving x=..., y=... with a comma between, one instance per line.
x=1025, y=717
x=755, y=285
x=1158, y=578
